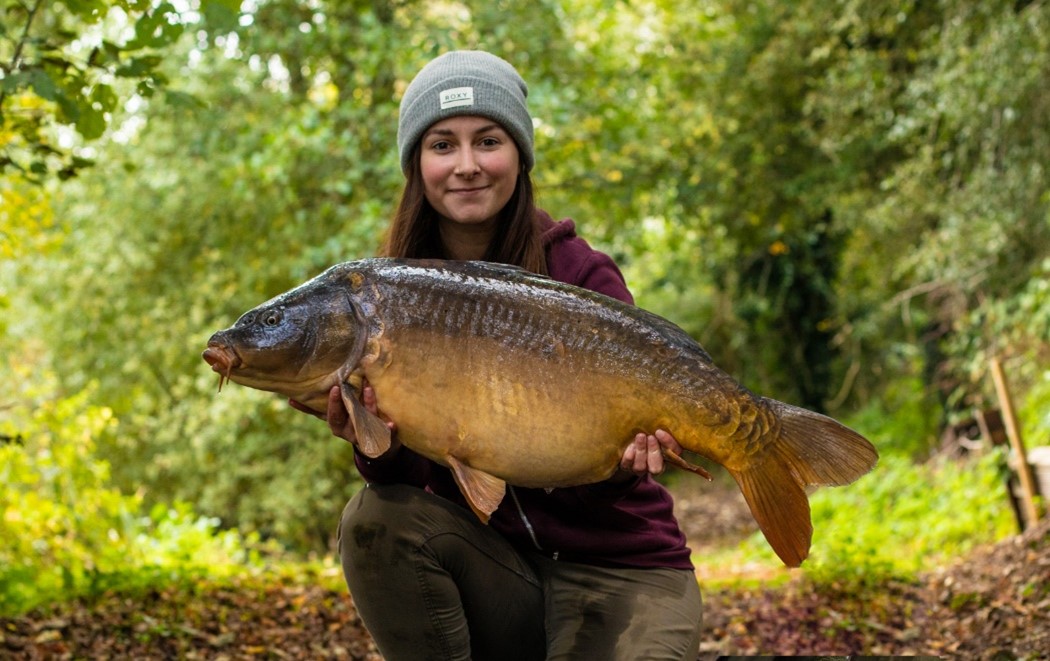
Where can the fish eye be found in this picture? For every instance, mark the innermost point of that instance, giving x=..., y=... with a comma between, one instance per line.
x=272, y=318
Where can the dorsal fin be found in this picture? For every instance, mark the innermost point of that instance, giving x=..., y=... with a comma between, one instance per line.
x=476, y=267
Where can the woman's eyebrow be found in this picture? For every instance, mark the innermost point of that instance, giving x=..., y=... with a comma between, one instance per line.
x=447, y=132
x=488, y=127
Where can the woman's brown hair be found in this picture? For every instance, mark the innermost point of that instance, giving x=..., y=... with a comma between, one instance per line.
x=414, y=229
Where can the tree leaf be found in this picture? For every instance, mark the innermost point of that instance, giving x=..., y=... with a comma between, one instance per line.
x=139, y=66
x=91, y=123
x=105, y=97
x=15, y=82
x=87, y=10
x=180, y=99
x=157, y=28
x=42, y=84
x=221, y=15
x=69, y=108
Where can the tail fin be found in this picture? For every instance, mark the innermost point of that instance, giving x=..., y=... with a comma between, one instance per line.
x=811, y=449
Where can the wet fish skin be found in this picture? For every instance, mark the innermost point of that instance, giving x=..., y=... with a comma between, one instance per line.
x=505, y=376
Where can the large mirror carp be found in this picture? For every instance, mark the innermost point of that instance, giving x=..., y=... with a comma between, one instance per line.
x=508, y=377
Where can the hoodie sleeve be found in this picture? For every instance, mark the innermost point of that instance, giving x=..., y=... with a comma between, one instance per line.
x=599, y=273
x=403, y=467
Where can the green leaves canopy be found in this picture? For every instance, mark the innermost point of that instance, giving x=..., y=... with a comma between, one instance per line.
x=67, y=65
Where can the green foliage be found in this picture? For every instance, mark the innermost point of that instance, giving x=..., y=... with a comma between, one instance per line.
x=918, y=516
x=863, y=182
x=27, y=227
x=959, y=221
x=1013, y=329
x=273, y=183
x=899, y=520
x=899, y=423
x=1035, y=412
x=67, y=64
x=65, y=531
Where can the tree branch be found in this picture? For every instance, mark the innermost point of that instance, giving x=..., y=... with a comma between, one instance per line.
x=30, y=16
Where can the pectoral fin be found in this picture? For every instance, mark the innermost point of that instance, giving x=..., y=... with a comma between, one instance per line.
x=483, y=492
x=373, y=436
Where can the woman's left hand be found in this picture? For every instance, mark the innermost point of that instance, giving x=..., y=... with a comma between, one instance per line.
x=645, y=454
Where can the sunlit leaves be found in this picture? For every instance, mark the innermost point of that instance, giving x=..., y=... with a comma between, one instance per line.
x=64, y=529
x=27, y=222
x=72, y=56
x=221, y=15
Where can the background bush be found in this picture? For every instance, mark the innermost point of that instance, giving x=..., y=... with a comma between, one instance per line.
x=68, y=532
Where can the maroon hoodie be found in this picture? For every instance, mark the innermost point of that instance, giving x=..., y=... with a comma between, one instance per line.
x=612, y=525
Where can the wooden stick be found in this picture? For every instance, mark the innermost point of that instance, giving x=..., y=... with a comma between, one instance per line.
x=1013, y=432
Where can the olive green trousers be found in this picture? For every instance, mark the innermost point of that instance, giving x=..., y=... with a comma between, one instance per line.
x=431, y=582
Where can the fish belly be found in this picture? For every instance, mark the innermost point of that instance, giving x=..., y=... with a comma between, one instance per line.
x=534, y=415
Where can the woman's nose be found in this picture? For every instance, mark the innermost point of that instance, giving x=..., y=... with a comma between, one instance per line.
x=466, y=164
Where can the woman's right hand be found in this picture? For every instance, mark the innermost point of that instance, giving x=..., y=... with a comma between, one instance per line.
x=338, y=418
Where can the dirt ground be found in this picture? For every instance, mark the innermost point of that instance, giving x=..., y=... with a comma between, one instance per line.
x=993, y=605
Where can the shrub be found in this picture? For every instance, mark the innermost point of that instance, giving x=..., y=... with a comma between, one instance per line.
x=901, y=519
x=64, y=532
x=909, y=517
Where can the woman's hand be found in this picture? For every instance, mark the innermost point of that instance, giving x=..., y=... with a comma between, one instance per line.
x=338, y=418
x=645, y=454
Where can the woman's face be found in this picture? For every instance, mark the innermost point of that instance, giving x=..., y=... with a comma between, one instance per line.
x=470, y=168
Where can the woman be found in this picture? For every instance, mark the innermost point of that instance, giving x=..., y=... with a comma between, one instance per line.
x=592, y=572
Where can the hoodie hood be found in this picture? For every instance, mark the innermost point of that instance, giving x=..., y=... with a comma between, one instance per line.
x=554, y=232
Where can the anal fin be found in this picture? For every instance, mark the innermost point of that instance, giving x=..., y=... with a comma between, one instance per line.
x=483, y=492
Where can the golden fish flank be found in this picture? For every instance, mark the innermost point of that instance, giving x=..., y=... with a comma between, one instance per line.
x=508, y=396
x=567, y=377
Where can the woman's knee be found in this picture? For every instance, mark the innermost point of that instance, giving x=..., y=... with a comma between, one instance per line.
x=395, y=519
x=371, y=519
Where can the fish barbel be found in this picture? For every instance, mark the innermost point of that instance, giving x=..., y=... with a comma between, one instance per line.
x=509, y=377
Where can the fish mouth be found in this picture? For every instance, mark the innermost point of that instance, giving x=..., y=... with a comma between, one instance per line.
x=223, y=359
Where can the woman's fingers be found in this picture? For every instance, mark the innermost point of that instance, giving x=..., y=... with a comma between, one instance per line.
x=654, y=458
x=668, y=441
x=336, y=415
x=643, y=456
x=645, y=453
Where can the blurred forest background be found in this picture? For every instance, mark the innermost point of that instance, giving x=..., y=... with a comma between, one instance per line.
x=846, y=202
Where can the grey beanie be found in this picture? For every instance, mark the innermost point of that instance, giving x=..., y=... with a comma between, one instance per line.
x=465, y=83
